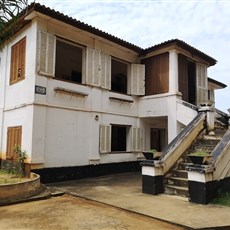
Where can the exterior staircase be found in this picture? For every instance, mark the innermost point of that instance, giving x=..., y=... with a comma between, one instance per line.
x=176, y=181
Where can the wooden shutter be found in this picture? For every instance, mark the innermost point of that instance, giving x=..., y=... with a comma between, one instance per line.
x=137, y=79
x=92, y=67
x=105, y=138
x=105, y=71
x=46, y=54
x=202, y=88
x=136, y=139
x=14, y=138
x=18, y=57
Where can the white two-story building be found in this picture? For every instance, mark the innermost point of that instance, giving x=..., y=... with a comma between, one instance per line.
x=78, y=99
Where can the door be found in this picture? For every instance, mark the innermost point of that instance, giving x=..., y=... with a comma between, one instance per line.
x=157, y=139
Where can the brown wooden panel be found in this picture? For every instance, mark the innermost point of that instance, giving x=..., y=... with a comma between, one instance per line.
x=14, y=138
x=18, y=57
x=183, y=76
x=157, y=74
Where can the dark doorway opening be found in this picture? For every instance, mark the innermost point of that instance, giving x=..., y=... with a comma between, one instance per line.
x=157, y=139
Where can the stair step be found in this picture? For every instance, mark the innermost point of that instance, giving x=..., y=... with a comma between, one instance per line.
x=212, y=138
x=182, y=165
x=207, y=149
x=180, y=173
x=176, y=190
x=209, y=141
x=177, y=181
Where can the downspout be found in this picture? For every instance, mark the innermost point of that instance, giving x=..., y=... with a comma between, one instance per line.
x=4, y=100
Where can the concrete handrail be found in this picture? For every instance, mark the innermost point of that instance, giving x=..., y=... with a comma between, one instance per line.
x=182, y=142
x=222, y=116
x=221, y=157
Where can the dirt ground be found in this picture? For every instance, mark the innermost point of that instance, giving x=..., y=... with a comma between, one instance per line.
x=69, y=212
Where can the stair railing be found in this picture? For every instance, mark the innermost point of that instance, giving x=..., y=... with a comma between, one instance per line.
x=222, y=117
x=177, y=147
x=221, y=157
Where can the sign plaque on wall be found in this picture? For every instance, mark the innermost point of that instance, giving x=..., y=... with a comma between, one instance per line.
x=40, y=90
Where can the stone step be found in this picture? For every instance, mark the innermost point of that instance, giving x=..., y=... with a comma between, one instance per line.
x=212, y=138
x=180, y=173
x=204, y=148
x=178, y=181
x=208, y=141
x=176, y=190
x=183, y=165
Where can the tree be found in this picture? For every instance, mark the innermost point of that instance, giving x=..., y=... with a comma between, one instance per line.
x=9, y=12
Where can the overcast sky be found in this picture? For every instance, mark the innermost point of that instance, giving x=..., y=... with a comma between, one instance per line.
x=204, y=24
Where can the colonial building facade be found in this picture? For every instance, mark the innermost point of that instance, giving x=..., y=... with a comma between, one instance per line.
x=72, y=95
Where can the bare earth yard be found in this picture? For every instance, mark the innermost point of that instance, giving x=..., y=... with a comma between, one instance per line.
x=68, y=212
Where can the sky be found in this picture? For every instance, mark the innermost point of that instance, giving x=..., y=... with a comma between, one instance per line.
x=203, y=24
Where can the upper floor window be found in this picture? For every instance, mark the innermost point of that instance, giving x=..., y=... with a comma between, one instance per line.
x=68, y=64
x=17, y=66
x=119, y=73
x=71, y=62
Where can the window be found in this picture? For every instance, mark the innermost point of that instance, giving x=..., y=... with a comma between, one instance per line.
x=14, y=138
x=119, y=74
x=68, y=64
x=119, y=138
x=18, y=54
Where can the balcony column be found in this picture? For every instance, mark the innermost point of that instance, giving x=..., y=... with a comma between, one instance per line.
x=173, y=71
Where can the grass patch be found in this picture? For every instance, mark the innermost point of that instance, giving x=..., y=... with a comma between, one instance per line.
x=9, y=178
x=222, y=199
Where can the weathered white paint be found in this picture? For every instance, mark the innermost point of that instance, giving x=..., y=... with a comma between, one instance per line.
x=152, y=171
x=184, y=114
x=200, y=177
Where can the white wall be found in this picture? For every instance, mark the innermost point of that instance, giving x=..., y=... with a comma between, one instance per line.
x=16, y=100
x=22, y=116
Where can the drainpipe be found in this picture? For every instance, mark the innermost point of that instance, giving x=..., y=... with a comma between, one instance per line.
x=229, y=118
x=4, y=101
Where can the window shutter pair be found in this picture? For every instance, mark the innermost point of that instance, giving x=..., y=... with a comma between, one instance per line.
x=202, y=87
x=98, y=67
x=46, y=54
x=105, y=139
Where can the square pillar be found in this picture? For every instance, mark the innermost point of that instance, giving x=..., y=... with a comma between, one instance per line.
x=210, y=116
x=152, y=178
x=201, y=186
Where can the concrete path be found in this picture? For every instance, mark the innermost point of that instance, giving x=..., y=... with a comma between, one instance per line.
x=124, y=191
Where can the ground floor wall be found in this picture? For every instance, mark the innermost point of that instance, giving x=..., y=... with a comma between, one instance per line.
x=68, y=137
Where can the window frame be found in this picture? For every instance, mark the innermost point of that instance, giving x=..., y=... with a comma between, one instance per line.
x=18, y=61
x=127, y=75
x=83, y=68
x=133, y=139
x=127, y=140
